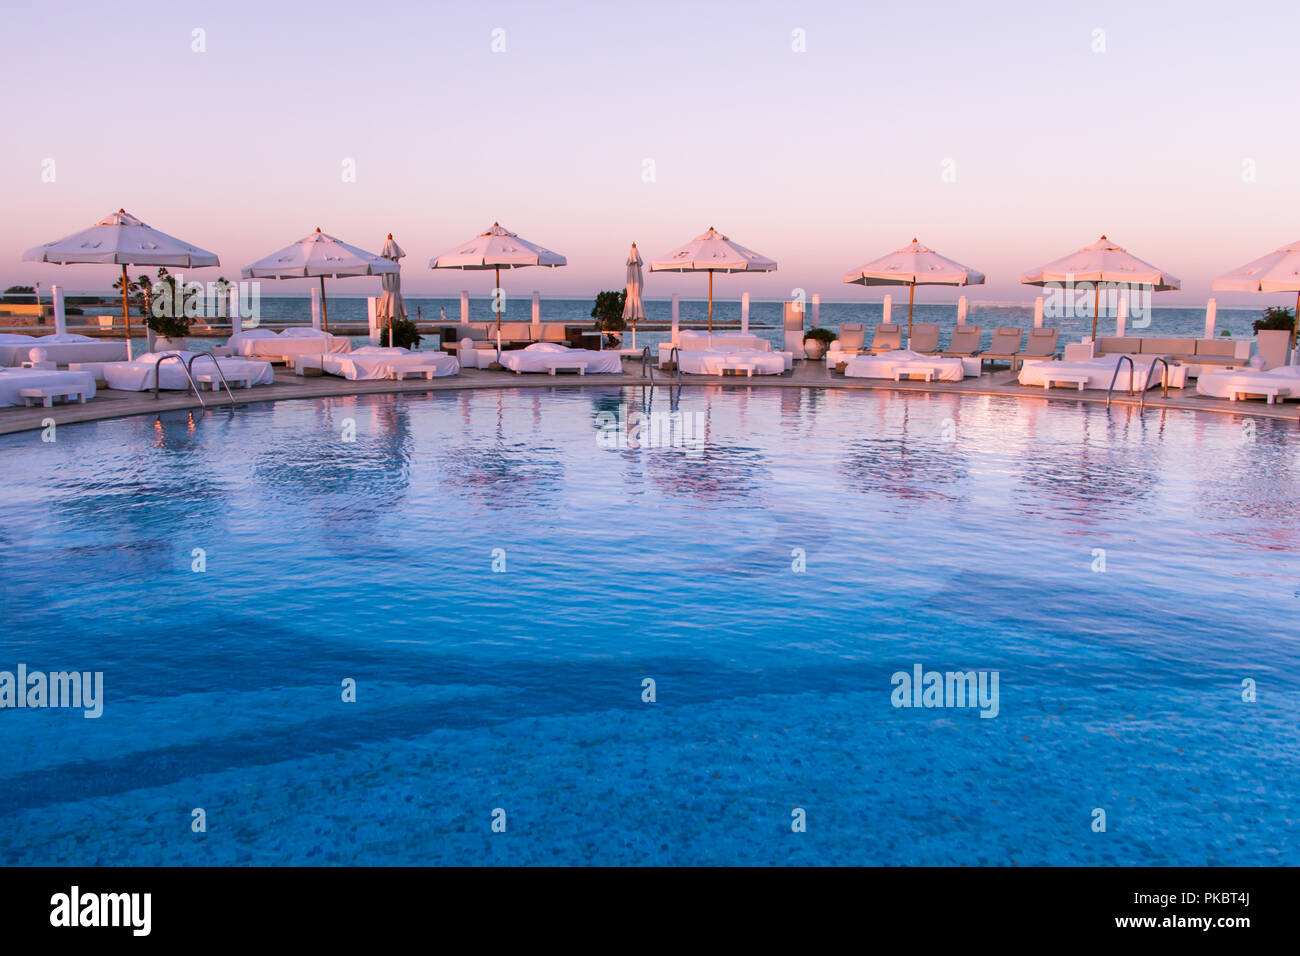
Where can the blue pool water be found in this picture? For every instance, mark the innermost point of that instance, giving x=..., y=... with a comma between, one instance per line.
x=954, y=533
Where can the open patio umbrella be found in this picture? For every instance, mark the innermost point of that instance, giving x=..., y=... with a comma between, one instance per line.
x=1100, y=263
x=713, y=252
x=497, y=249
x=391, y=306
x=633, y=307
x=121, y=239
x=914, y=265
x=319, y=255
x=1279, y=271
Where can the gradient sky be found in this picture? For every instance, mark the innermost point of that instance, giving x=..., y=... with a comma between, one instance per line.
x=822, y=159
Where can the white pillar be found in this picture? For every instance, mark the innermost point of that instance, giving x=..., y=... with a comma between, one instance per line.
x=372, y=317
x=464, y=307
x=315, y=307
x=744, y=312
x=1038, y=312
x=961, y=310
x=60, y=316
x=1211, y=313
x=817, y=310
x=676, y=316
x=1121, y=315
x=886, y=308
x=236, y=319
x=537, y=316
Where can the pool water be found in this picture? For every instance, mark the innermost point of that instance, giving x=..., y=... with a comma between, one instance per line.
x=500, y=579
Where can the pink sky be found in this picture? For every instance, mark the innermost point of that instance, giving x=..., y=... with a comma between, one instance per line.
x=821, y=159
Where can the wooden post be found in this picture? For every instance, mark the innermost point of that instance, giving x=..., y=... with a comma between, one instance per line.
x=324, y=313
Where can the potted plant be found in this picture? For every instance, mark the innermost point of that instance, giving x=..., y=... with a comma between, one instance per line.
x=608, y=313
x=1274, y=331
x=166, y=317
x=816, y=342
x=404, y=335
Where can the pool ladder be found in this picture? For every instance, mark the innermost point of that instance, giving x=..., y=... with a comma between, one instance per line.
x=188, y=368
x=1132, y=375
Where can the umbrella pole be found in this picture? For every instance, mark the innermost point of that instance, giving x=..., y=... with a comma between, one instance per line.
x=499, y=301
x=126, y=311
x=324, y=312
x=1295, y=326
x=1096, y=309
x=911, y=294
x=710, y=302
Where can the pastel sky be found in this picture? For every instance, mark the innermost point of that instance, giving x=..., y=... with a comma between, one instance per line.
x=1179, y=141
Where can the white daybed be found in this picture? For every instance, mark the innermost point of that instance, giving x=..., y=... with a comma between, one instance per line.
x=740, y=361
x=1098, y=372
x=719, y=343
x=14, y=380
x=548, y=356
x=263, y=343
x=60, y=348
x=138, y=375
x=1275, y=384
x=376, y=362
x=904, y=364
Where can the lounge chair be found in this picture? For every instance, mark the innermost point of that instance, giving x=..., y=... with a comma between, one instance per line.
x=925, y=338
x=1041, y=345
x=965, y=342
x=887, y=338
x=1006, y=346
x=852, y=338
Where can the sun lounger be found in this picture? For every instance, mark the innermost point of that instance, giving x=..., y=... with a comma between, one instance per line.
x=925, y=338
x=886, y=338
x=965, y=342
x=851, y=338
x=1041, y=344
x=1006, y=346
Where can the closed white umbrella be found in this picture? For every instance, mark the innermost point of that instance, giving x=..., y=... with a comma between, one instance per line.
x=914, y=265
x=1279, y=271
x=713, y=252
x=391, y=306
x=497, y=249
x=633, y=307
x=1102, y=262
x=319, y=255
x=122, y=239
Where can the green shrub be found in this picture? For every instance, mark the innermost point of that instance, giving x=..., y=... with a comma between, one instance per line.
x=608, y=311
x=1275, y=319
x=824, y=336
x=405, y=335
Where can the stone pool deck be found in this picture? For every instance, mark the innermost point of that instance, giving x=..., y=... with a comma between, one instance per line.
x=288, y=386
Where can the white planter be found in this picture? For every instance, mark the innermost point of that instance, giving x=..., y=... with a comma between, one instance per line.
x=164, y=344
x=814, y=349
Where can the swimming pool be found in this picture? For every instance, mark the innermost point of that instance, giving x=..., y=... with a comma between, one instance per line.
x=1122, y=575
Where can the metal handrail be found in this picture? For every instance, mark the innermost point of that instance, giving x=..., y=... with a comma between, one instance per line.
x=647, y=365
x=1132, y=374
x=185, y=368
x=1164, y=381
x=675, y=357
x=220, y=374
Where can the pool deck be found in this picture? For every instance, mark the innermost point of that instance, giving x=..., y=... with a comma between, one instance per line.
x=288, y=386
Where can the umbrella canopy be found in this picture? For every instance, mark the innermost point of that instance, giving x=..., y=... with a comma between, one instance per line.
x=633, y=307
x=122, y=239
x=1279, y=271
x=497, y=249
x=319, y=255
x=914, y=265
x=713, y=252
x=1102, y=262
x=391, y=306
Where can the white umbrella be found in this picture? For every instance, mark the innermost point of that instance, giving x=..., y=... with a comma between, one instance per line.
x=391, y=306
x=633, y=307
x=914, y=265
x=121, y=239
x=713, y=252
x=1279, y=271
x=319, y=255
x=497, y=249
x=1101, y=262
